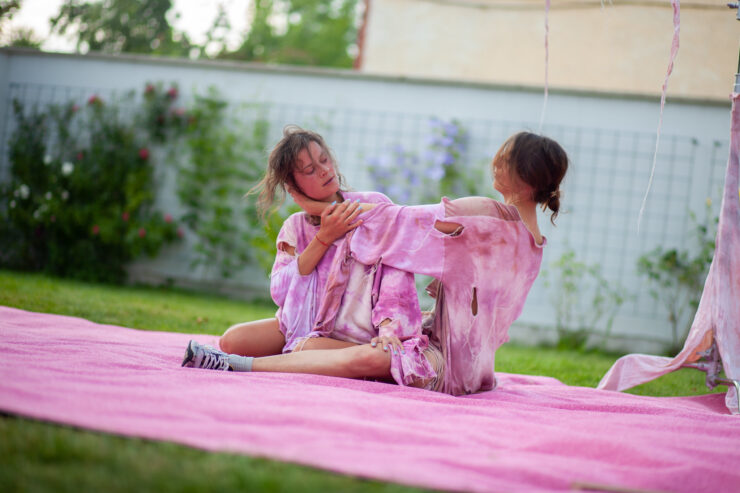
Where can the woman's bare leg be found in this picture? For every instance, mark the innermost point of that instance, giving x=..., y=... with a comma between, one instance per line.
x=322, y=343
x=352, y=362
x=258, y=338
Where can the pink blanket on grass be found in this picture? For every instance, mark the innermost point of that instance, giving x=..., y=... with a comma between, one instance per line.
x=531, y=434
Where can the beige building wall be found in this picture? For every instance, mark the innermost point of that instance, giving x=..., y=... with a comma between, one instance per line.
x=623, y=47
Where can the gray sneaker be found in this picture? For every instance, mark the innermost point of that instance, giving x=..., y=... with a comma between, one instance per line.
x=207, y=357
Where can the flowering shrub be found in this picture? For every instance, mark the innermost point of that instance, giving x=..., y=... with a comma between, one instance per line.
x=162, y=117
x=79, y=201
x=442, y=168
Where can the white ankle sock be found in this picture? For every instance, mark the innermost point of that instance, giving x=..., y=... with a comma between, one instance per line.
x=240, y=363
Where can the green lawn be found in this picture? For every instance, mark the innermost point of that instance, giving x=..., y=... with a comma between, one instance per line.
x=36, y=456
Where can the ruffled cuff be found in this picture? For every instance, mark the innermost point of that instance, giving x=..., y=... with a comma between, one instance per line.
x=412, y=366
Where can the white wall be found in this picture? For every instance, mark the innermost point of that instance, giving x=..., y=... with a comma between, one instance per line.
x=608, y=46
x=609, y=137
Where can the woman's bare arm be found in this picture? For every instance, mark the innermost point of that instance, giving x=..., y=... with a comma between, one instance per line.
x=316, y=207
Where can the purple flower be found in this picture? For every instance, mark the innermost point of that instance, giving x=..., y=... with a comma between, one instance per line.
x=448, y=159
x=398, y=193
x=435, y=172
x=429, y=155
x=446, y=141
x=384, y=162
x=451, y=129
x=400, y=161
x=379, y=174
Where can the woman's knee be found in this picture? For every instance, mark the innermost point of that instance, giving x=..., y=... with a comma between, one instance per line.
x=228, y=342
x=258, y=338
x=236, y=339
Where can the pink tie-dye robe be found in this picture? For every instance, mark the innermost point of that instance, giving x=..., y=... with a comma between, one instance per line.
x=718, y=316
x=486, y=272
x=345, y=300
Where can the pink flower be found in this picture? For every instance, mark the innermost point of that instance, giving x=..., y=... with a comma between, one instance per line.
x=144, y=153
x=94, y=99
x=80, y=155
x=75, y=108
x=95, y=230
x=168, y=218
x=172, y=93
x=124, y=216
x=142, y=232
x=149, y=89
x=180, y=233
x=178, y=111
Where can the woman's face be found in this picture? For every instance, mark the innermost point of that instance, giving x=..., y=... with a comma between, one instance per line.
x=502, y=180
x=314, y=173
x=507, y=182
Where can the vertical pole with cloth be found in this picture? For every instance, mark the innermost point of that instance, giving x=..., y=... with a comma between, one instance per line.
x=713, y=343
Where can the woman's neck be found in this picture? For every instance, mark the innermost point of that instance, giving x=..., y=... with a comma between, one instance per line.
x=527, y=210
x=336, y=197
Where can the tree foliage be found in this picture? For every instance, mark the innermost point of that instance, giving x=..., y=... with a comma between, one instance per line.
x=20, y=36
x=121, y=26
x=300, y=32
x=8, y=8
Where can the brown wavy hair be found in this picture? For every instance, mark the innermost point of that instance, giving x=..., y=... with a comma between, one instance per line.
x=541, y=163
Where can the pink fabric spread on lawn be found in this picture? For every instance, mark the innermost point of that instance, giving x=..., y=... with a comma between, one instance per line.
x=531, y=434
x=718, y=315
x=486, y=272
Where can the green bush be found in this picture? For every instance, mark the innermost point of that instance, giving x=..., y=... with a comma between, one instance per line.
x=225, y=157
x=677, y=276
x=80, y=198
x=583, y=299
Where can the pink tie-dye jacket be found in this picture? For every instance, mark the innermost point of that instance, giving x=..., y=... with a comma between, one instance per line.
x=312, y=305
x=486, y=272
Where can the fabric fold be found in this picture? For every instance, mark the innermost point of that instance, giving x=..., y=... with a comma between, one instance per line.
x=717, y=318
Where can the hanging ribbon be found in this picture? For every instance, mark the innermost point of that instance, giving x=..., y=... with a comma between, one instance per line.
x=547, y=62
x=674, y=50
